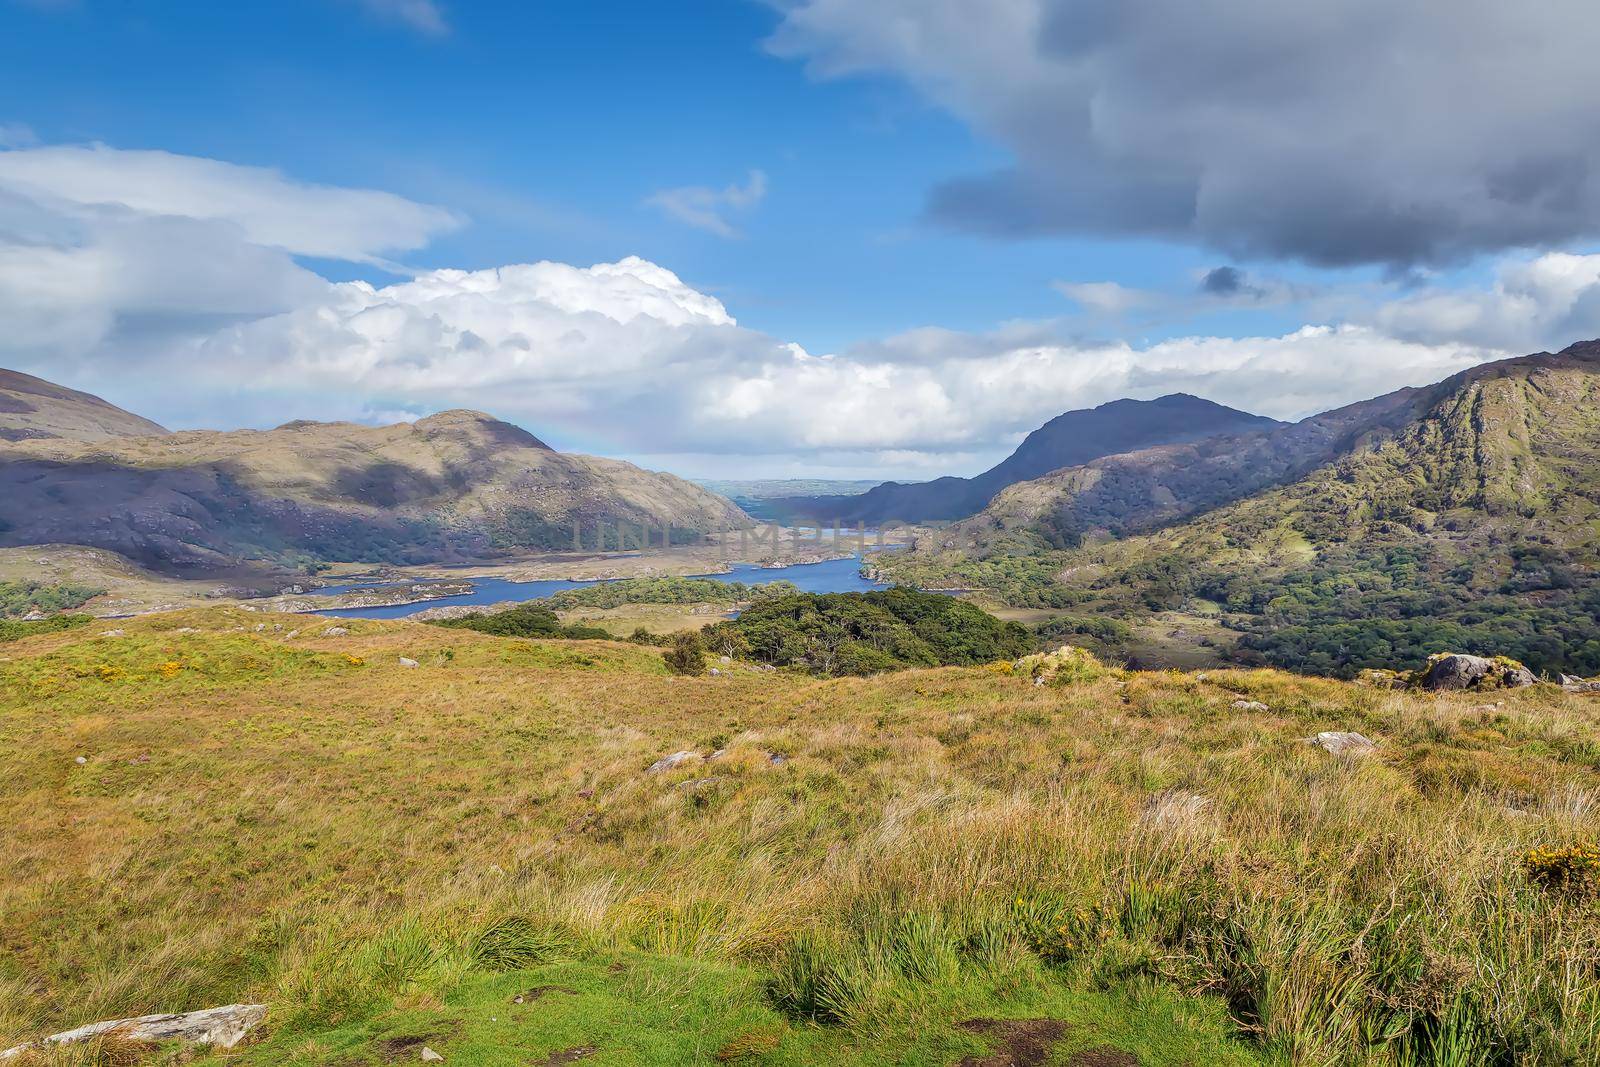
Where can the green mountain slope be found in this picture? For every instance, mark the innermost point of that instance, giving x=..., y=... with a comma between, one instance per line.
x=1464, y=515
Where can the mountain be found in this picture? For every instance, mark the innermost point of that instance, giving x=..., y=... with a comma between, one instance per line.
x=32, y=408
x=456, y=485
x=1462, y=515
x=1073, y=438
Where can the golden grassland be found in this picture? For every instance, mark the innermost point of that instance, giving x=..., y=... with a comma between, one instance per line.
x=388, y=856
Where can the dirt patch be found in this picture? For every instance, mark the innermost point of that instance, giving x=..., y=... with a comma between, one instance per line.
x=569, y=1055
x=531, y=995
x=1103, y=1057
x=406, y=1046
x=1018, y=1042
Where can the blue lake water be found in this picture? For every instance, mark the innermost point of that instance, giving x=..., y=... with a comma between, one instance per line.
x=831, y=576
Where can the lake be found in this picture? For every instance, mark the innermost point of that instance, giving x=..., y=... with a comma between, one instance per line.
x=830, y=576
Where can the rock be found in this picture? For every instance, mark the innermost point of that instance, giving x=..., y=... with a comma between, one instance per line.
x=715, y=673
x=1579, y=685
x=1344, y=743
x=221, y=1027
x=186, y=630
x=114, y=633
x=725, y=659
x=1454, y=670
x=1249, y=705
x=718, y=754
x=291, y=633
x=777, y=759
x=430, y=1056
x=404, y=662
x=677, y=759
x=694, y=785
x=80, y=761
x=335, y=631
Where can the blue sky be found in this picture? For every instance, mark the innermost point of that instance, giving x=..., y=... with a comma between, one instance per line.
x=560, y=132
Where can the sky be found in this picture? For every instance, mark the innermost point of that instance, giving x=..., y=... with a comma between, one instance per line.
x=820, y=238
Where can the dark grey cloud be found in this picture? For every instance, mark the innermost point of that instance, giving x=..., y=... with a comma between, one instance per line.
x=1223, y=281
x=1336, y=132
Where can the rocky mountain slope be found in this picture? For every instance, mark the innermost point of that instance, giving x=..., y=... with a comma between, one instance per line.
x=1461, y=515
x=457, y=485
x=32, y=408
x=1073, y=438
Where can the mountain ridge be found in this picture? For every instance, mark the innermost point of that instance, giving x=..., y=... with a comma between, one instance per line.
x=1068, y=439
x=32, y=408
x=458, y=484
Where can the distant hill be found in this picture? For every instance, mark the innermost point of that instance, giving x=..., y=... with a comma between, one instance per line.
x=755, y=495
x=1462, y=515
x=456, y=485
x=1067, y=440
x=34, y=409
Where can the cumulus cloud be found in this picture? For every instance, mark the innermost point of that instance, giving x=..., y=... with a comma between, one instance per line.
x=1366, y=131
x=128, y=287
x=710, y=209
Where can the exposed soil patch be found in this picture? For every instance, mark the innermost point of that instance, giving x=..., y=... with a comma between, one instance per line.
x=410, y=1045
x=569, y=1055
x=1018, y=1042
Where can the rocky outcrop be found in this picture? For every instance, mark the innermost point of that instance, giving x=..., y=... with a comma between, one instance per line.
x=221, y=1027
x=1344, y=743
x=673, y=762
x=1579, y=685
x=1454, y=670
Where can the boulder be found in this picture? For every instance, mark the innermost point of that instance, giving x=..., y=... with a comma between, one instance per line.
x=404, y=662
x=335, y=631
x=1454, y=670
x=1579, y=685
x=672, y=762
x=1344, y=743
x=221, y=1027
x=1249, y=705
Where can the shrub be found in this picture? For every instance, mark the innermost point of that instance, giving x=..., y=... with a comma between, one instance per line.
x=687, y=654
x=1571, y=871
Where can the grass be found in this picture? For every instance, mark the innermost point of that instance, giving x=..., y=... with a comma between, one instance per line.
x=388, y=856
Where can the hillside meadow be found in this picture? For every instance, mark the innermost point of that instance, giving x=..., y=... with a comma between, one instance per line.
x=934, y=866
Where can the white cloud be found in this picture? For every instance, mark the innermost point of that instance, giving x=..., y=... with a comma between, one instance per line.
x=184, y=301
x=423, y=16
x=1106, y=298
x=267, y=208
x=709, y=209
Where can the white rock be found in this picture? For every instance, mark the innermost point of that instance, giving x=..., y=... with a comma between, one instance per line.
x=1250, y=705
x=1340, y=743
x=430, y=1056
x=114, y=633
x=221, y=1027
x=404, y=662
x=335, y=631
x=677, y=759
x=80, y=761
